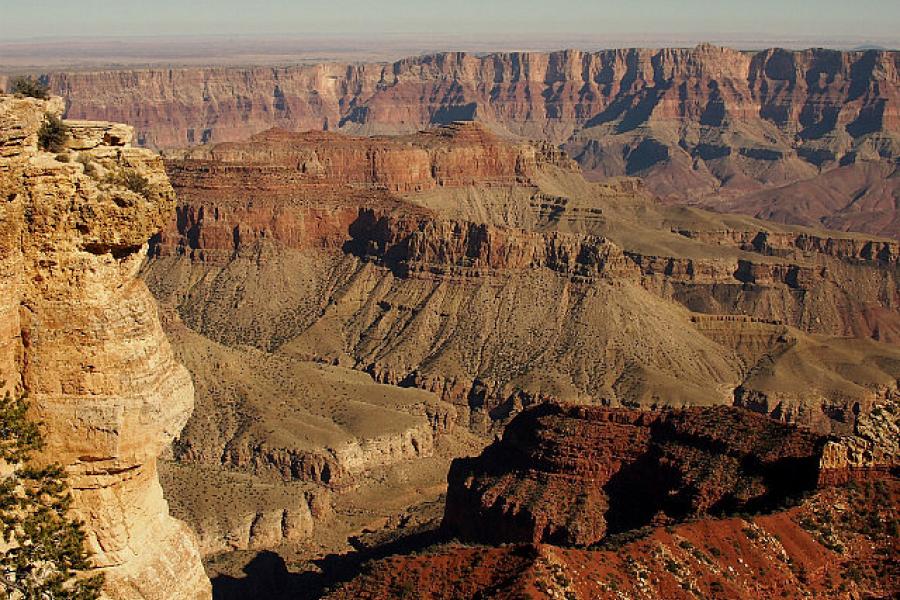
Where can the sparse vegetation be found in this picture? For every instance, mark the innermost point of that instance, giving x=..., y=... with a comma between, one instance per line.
x=45, y=547
x=136, y=182
x=53, y=134
x=90, y=169
x=29, y=86
x=617, y=540
x=130, y=180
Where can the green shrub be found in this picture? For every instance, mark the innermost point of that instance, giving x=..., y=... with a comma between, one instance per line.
x=90, y=169
x=45, y=547
x=136, y=182
x=53, y=134
x=130, y=180
x=28, y=86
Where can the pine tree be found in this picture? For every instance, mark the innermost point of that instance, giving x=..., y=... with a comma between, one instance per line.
x=53, y=134
x=28, y=86
x=42, y=548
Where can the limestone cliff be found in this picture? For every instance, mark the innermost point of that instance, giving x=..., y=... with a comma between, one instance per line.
x=79, y=333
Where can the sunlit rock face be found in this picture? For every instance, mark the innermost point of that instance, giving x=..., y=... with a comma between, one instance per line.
x=82, y=338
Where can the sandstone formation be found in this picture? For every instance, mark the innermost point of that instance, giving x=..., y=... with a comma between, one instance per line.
x=573, y=475
x=81, y=337
x=806, y=137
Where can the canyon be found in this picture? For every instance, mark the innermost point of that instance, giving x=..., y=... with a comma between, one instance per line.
x=378, y=255
x=802, y=137
x=358, y=310
x=682, y=401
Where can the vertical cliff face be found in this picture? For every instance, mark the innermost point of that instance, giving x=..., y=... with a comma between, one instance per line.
x=81, y=336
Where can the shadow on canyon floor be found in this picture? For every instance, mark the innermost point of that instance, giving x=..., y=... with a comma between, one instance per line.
x=267, y=576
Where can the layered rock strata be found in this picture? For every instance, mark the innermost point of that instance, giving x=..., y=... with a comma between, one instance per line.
x=572, y=475
x=81, y=337
x=235, y=511
x=522, y=282
x=806, y=137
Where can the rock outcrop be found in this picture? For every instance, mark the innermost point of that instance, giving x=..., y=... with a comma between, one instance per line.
x=81, y=337
x=606, y=481
x=872, y=451
x=571, y=475
x=589, y=502
x=839, y=543
x=806, y=137
x=235, y=511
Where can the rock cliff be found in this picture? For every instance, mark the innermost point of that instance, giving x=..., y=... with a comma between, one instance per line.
x=806, y=137
x=573, y=475
x=81, y=336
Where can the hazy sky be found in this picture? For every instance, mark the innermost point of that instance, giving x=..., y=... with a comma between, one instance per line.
x=718, y=18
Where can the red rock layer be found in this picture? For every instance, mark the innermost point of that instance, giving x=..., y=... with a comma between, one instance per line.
x=306, y=190
x=701, y=124
x=573, y=474
x=461, y=153
x=838, y=544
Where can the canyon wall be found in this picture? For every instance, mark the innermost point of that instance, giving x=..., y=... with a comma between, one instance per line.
x=541, y=95
x=746, y=132
x=81, y=337
x=518, y=283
